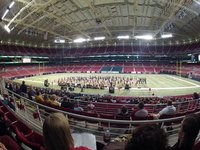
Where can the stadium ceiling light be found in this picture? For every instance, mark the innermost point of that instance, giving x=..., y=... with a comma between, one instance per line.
x=8, y=9
x=11, y=4
x=59, y=41
x=80, y=40
x=88, y=39
x=7, y=28
x=123, y=37
x=144, y=37
x=197, y=2
x=166, y=35
x=99, y=38
x=5, y=13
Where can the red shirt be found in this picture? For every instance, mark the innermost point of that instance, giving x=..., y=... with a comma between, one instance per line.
x=80, y=148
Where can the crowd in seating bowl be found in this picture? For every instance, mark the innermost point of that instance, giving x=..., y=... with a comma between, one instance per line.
x=100, y=103
x=96, y=98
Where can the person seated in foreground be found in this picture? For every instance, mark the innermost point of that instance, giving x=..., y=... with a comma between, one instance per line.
x=57, y=135
x=140, y=111
x=148, y=137
x=187, y=135
x=168, y=110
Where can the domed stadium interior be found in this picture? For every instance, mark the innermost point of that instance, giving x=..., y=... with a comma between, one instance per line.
x=112, y=67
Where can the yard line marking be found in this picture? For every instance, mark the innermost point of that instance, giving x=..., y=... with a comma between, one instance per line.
x=184, y=80
x=31, y=81
x=168, y=88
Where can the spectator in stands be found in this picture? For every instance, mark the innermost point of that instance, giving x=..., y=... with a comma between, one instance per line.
x=78, y=108
x=10, y=86
x=91, y=108
x=65, y=103
x=187, y=135
x=124, y=111
x=56, y=132
x=168, y=110
x=195, y=95
x=46, y=99
x=39, y=97
x=17, y=91
x=23, y=87
x=140, y=112
x=148, y=137
x=31, y=93
x=54, y=101
x=6, y=100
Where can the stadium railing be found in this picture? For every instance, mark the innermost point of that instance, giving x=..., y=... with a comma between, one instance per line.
x=34, y=114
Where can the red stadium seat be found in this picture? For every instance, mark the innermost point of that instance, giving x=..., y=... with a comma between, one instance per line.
x=179, y=115
x=34, y=140
x=166, y=117
x=119, y=117
x=11, y=118
x=20, y=106
x=21, y=129
x=139, y=118
x=1, y=103
x=106, y=116
x=5, y=109
x=9, y=143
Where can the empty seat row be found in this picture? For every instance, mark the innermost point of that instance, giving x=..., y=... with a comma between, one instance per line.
x=19, y=130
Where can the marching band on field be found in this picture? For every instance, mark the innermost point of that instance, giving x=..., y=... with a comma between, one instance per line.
x=99, y=82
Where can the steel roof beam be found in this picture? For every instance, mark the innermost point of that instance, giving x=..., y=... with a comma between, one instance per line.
x=62, y=21
x=92, y=7
x=135, y=6
x=41, y=29
x=173, y=11
x=40, y=18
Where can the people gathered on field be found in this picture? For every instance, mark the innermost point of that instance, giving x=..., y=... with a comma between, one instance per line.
x=101, y=82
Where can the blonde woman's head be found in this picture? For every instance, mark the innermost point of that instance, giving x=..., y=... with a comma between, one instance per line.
x=56, y=132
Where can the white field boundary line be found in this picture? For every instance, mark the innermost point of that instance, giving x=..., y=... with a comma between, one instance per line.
x=167, y=88
x=31, y=81
x=176, y=78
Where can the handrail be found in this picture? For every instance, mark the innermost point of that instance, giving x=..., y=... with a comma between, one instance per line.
x=119, y=104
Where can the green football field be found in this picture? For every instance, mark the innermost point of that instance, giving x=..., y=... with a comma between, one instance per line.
x=161, y=85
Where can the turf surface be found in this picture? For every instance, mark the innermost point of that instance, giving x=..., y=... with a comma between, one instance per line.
x=161, y=85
